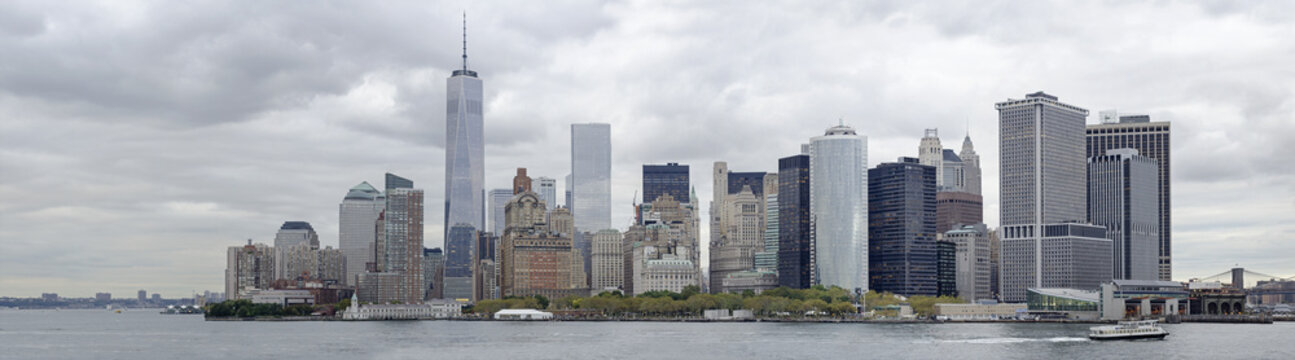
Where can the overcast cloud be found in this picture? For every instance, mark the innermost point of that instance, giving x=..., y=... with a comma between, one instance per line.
x=138, y=140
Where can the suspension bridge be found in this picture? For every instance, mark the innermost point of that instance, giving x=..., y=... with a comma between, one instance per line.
x=1238, y=277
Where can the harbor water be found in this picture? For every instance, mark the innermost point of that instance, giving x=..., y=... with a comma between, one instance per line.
x=145, y=334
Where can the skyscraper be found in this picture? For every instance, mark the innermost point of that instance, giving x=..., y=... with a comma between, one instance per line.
x=403, y=238
x=974, y=261
x=946, y=268
x=767, y=258
x=901, y=228
x=464, y=147
x=737, y=221
x=591, y=169
x=434, y=273
x=931, y=153
x=670, y=178
x=953, y=208
x=521, y=182
x=246, y=268
x=1043, y=195
x=795, y=244
x=355, y=227
x=460, y=262
x=1042, y=169
x=498, y=199
x=951, y=175
x=1150, y=139
x=970, y=166
x=296, y=233
x=548, y=190
x=839, y=207
x=1123, y=197
x=608, y=261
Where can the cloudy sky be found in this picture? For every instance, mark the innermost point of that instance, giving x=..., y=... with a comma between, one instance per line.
x=138, y=140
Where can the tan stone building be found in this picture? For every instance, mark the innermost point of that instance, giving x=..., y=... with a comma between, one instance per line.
x=533, y=259
x=737, y=221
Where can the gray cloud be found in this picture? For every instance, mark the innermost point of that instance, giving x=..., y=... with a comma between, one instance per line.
x=138, y=140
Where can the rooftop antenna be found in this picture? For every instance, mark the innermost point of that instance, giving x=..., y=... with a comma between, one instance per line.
x=465, y=40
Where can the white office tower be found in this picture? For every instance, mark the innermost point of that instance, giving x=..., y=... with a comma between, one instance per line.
x=931, y=153
x=1043, y=192
x=547, y=188
x=591, y=176
x=839, y=207
x=1123, y=196
x=356, y=233
x=464, y=148
x=973, y=261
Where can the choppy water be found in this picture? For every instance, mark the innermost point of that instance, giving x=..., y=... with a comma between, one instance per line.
x=144, y=334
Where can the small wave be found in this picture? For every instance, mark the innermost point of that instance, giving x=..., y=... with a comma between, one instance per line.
x=1012, y=340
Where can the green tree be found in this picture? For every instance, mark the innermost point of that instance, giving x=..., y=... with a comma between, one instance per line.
x=728, y=301
x=688, y=292
x=841, y=308
x=700, y=303
x=925, y=305
x=567, y=302
x=815, y=305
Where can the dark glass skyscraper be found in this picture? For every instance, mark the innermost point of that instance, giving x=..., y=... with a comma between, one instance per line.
x=795, y=247
x=460, y=261
x=946, y=273
x=670, y=178
x=901, y=228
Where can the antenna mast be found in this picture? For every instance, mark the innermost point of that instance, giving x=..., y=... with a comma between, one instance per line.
x=465, y=40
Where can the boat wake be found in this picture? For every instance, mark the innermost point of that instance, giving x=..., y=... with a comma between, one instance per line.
x=1011, y=340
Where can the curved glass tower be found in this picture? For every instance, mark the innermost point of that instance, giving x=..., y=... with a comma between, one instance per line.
x=839, y=207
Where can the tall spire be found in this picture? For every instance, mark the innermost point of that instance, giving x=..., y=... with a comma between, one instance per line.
x=465, y=40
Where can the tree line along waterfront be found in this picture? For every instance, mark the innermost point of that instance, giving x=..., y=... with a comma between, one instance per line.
x=782, y=302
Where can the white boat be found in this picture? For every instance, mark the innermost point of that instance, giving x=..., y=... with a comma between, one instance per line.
x=1128, y=330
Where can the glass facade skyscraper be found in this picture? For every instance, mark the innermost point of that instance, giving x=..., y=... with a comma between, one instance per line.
x=498, y=199
x=839, y=207
x=460, y=261
x=591, y=171
x=547, y=188
x=795, y=246
x=901, y=228
x=670, y=178
x=464, y=149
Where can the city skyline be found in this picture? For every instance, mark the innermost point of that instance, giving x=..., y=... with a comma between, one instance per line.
x=274, y=128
